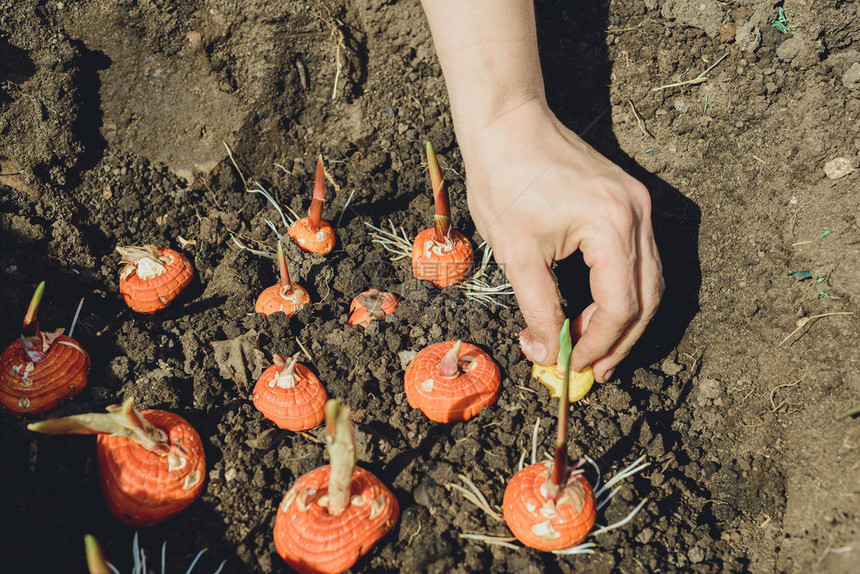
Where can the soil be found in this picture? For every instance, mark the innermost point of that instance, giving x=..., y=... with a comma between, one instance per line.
x=112, y=118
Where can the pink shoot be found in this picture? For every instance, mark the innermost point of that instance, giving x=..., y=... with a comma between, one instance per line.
x=315, y=211
x=442, y=219
x=449, y=366
x=286, y=286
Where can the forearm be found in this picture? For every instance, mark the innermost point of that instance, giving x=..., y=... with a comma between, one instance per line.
x=489, y=56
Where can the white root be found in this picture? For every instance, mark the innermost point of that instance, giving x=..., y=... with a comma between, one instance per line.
x=75, y=319
x=286, y=220
x=584, y=548
x=399, y=245
x=535, y=440
x=620, y=523
x=504, y=541
x=634, y=467
x=473, y=495
x=476, y=288
x=257, y=252
x=603, y=495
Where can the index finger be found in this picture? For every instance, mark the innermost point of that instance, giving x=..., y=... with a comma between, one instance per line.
x=537, y=297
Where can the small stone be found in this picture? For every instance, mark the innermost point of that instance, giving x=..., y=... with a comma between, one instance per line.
x=851, y=77
x=261, y=440
x=727, y=32
x=230, y=474
x=709, y=389
x=748, y=37
x=707, y=15
x=789, y=49
x=259, y=478
x=406, y=358
x=681, y=106
x=423, y=496
x=696, y=555
x=838, y=168
x=670, y=367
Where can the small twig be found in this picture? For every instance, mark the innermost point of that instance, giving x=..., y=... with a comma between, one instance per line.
x=755, y=157
x=338, y=61
x=305, y=351
x=639, y=121
x=794, y=221
x=697, y=80
x=413, y=535
x=233, y=161
x=310, y=437
x=330, y=178
x=775, y=407
x=803, y=321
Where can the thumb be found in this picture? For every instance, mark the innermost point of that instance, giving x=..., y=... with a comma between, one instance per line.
x=537, y=296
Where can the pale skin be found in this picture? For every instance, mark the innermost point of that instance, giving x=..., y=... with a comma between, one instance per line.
x=538, y=193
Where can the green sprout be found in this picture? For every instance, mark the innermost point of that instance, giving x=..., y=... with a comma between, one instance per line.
x=802, y=274
x=825, y=295
x=781, y=22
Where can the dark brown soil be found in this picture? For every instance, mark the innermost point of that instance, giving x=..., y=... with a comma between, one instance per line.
x=112, y=118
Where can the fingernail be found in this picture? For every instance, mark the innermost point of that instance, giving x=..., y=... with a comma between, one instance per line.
x=608, y=374
x=534, y=351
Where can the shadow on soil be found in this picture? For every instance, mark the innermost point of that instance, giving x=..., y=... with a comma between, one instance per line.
x=572, y=38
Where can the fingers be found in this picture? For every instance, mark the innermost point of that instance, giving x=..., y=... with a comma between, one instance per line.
x=577, y=328
x=613, y=286
x=610, y=326
x=537, y=296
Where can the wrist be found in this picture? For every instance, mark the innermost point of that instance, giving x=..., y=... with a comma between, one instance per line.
x=518, y=122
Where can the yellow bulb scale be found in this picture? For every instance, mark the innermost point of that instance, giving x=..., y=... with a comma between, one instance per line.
x=551, y=377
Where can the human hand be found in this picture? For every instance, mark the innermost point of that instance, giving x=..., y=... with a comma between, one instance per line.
x=537, y=193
